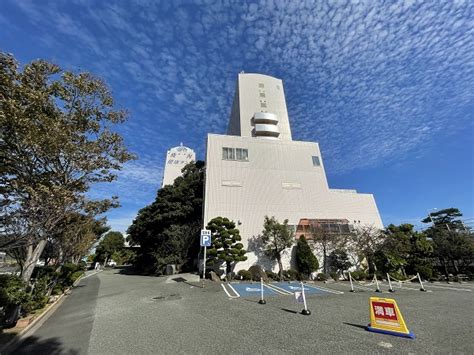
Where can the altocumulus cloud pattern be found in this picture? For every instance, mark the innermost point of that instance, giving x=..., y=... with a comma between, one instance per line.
x=372, y=81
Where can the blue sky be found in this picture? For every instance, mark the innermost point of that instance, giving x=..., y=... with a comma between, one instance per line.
x=385, y=87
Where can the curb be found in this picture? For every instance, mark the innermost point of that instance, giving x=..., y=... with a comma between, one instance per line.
x=19, y=336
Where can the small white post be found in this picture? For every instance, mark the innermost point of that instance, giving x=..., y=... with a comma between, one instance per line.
x=204, y=269
x=350, y=279
x=305, y=311
x=389, y=284
x=422, y=288
x=377, y=283
x=262, y=300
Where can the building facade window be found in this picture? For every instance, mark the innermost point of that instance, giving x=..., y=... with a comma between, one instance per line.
x=260, y=85
x=239, y=154
x=242, y=154
x=228, y=153
x=316, y=161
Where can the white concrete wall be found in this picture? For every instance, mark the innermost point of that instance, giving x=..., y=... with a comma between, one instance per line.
x=279, y=180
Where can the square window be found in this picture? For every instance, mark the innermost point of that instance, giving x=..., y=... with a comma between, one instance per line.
x=316, y=161
x=263, y=104
x=241, y=154
x=262, y=94
x=228, y=153
x=260, y=85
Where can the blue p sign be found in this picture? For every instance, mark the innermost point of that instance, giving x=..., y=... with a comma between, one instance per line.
x=205, y=238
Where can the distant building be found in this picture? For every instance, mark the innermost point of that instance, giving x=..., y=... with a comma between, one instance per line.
x=257, y=169
x=176, y=159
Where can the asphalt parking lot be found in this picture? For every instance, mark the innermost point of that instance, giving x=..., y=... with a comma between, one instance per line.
x=136, y=314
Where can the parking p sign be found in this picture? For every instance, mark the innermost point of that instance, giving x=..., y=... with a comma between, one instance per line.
x=205, y=238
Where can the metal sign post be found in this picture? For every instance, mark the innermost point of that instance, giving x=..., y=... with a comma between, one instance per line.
x=205, y=242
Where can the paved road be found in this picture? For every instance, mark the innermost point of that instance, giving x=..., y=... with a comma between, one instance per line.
x=119, y=314
x=68, y=329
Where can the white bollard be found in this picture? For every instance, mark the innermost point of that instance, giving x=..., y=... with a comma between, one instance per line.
x=350, y=279
x=422, y=288
x=377, y=283
x=262, y=300
x=305, y=311
x=389, y=284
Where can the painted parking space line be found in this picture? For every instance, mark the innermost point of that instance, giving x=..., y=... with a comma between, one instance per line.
x=448, y=288
x=325, y=289
x=228, y=294
x=293, y=287
x=280, y=290
x=252, y=290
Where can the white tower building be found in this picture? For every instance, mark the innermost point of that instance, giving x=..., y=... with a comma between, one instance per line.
x=257, y=170
x=176, y=159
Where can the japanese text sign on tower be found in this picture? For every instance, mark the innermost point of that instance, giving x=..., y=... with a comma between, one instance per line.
x=205, y=238
x=385, y=317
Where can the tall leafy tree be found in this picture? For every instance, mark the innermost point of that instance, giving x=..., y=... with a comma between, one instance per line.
x=226, y=247
x=446, y=219
x=276, y=238
x=56, y=139
x=306, y=261
x=452, y=241
x=167, y=230
x=111, y=243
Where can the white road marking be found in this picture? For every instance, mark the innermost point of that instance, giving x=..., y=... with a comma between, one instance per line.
x=325, y=289
x=449, y=288
x=233, y=289
x=280, y=290
x=385, y=345
x=228, y=294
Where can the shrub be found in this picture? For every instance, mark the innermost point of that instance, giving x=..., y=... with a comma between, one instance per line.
x=291, y=275
x=272, y=275
x=257, y=272
x=321, y=277
x=359, y=275
x=306, y=261
x=245, y=275
x=334, y=275
x=425, y=271
x=12, y=291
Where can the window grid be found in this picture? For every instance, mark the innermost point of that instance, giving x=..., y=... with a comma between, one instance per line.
x=239, y=154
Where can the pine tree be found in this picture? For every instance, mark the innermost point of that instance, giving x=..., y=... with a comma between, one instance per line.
x=225, y=243
x=305, y=259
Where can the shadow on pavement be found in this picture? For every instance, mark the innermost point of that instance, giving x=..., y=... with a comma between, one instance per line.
x=128, y=270
x=356, y=325
x=34, y=345
x=289, y=310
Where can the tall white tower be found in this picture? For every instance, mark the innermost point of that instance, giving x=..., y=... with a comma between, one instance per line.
x=176, y=159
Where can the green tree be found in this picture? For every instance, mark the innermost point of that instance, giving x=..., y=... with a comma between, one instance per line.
x=226, y=247
x=56, y=140
x=339, y=260
x=276, y=238
x=452, y=242
x=404, y=250
x=306, y=261
x=446, y=219
x=111, y=243
x=167, y=230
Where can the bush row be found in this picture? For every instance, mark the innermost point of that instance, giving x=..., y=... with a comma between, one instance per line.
x=44, y=283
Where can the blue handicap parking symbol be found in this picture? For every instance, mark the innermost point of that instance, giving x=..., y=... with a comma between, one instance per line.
x=252, y=290
x=294, y=287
